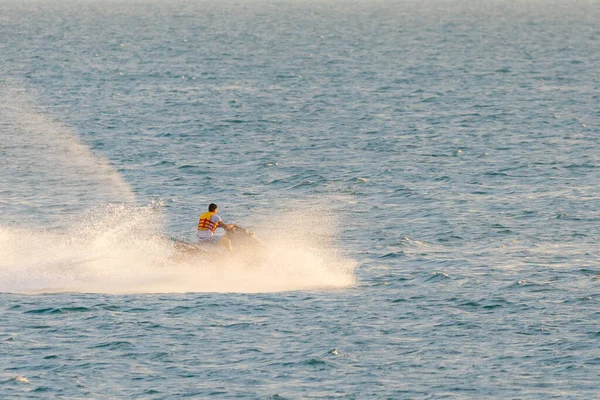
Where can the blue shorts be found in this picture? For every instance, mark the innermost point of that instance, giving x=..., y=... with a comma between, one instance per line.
x=213, y=239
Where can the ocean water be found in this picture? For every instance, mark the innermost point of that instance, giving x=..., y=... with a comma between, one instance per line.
x=423, y=175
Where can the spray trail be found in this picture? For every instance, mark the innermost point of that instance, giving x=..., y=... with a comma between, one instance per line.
x=118, y=249
x=45, y=166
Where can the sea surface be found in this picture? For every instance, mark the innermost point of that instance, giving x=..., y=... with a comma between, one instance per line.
x=424, y=177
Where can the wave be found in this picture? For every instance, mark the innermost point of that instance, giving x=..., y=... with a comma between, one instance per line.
x=116, y=248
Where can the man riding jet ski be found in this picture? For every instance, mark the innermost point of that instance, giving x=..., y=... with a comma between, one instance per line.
x=208, y=224
x=237, y=242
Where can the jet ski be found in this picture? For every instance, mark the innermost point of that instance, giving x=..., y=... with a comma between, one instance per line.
x=244, y=247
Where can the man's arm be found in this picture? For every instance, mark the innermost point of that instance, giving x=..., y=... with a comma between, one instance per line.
x=225, y=226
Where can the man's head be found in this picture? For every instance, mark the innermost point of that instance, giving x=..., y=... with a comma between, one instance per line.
x=212, y=207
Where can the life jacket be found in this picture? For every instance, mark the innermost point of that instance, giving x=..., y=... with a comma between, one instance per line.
x=205, y=224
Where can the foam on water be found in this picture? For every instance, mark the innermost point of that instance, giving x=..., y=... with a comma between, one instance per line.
x=119, y=249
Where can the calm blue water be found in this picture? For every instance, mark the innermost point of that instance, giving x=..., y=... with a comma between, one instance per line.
x=424, y=176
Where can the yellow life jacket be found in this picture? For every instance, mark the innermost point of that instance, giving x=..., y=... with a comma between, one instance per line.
x=205, y=224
